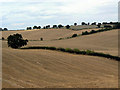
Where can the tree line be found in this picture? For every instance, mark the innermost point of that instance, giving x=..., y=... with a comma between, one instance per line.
x=4, y=29
x=48, y=27
x=116, y=25
x=105, y=24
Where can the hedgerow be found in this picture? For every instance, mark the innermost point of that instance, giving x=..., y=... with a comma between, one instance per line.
x=77, y=51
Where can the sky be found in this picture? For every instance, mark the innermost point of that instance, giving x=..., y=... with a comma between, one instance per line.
x=19, y=14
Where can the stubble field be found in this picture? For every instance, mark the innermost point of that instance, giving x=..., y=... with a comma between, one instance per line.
x=53, y=69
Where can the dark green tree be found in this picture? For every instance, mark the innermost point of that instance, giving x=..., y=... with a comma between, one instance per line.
x=41, y=39
x=54, y=26
x=68, y=27
x=75, y=24
x=74, y=35
x=88, y=23
x=48, y=26
x=99, y=25
x=83, y=23
x=39, y=27
x=5, y=29
x=44, y=27
x=93, y=23
x=92, y=31
x=60, y=26
x=3, y=38
x=29, y=28
x=104, y=23
x=107, y=26
x=16, y=41
x=117, y=26
x=85, y=33
x=35, y=27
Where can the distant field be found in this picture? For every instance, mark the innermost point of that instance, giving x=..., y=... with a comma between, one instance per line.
x=46, y=34
x=106, y=42
x=53, y=69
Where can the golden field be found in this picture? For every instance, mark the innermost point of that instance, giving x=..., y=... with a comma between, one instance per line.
x=53, y=69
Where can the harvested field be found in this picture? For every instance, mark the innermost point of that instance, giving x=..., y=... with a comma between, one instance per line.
x=47, y=34
x=53, y=69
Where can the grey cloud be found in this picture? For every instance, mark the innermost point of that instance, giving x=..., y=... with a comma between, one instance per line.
x=51, y=13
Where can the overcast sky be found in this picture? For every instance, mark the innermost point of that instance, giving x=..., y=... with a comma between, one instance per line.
x=20, y=14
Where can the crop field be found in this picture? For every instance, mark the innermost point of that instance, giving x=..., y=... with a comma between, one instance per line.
x=38, y=68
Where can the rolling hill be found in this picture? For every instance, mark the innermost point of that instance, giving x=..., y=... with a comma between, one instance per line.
x=53, y=69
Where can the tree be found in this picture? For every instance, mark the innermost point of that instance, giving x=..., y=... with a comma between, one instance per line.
x=1, y=29
x=41, y=39
x=111, y=23
x=60, y=26
x=93, y=23
x=117, y=26
x=92, y=31
x=75, y=24
x=5, y=29
x=83, y=23
x=29, y=28
x=44, y=27
x=104, y=23
x=54, y=26
x=35, y=27
x=47, y=27
x=85, y=33
x=67, y=26
x=39, y=27
x=88, y=23
x=16, y=41
x=107, y=26
x=74, y=35
x=99, y=25
x=3, y=38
